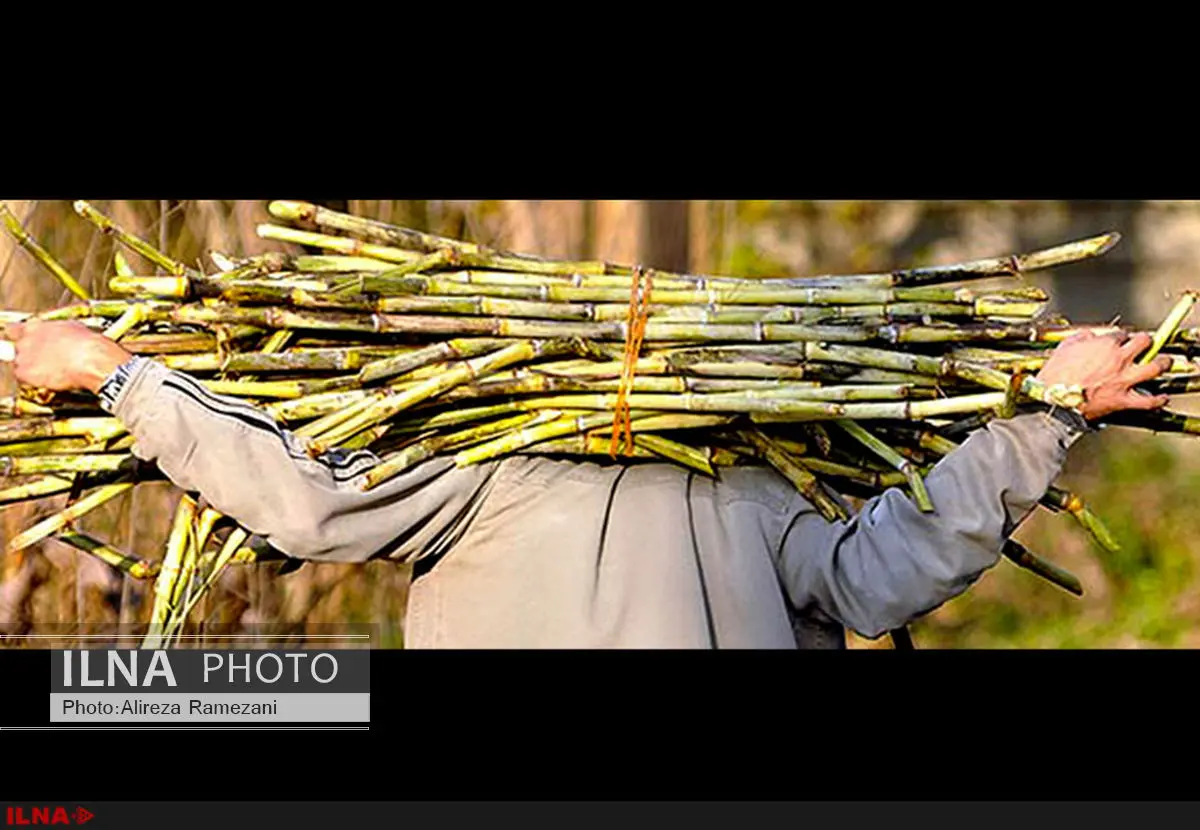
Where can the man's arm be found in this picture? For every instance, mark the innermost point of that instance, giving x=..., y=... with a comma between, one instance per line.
x=245, y=466
x=892, y=563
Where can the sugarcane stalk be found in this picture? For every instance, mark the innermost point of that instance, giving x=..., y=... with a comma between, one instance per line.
x=58, y=521
x=773, y=401
x=406, y=282
x=14, y=407
x=1058, y=499
x=665, y=364
x=583, y=304
x=693, y=457
x=1029, y=387
x=170, y=571
x=223, y=559
x=127, y=322
x=892, y=458
x=108, y=227
x=94, y=429
x=136, y=568
x=178, y=287
x=341, y=244
x=183, y=589
x=370, y=229
x=571, y=423
x=34, y=465
x=797, y=474
x=781, y=411
x=994, y=267
x=287, y=389
x=584, y=445
x=1024, y=558
x=169, y=344
x=790, y=445
x=559, y=425
x=1166, y=332
x=15, y=229
x=121, y=265
x=335, y=264
x=1166, y=385
x=404, y=363
x=38, y=488
x=1155, y=421
x=1054, y=257
x=336, y=418
x=390, y=405
x=313, y=406
x=366, y=438
x=872, y=478
x=351, y=359
x=156, y=311
x=198, y=534
x=49, y=446
x=523, y=382
x=419, y=451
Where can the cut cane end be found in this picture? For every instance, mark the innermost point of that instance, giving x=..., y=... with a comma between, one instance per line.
x=1103, y=244
x=312, y=448
x=292, y=211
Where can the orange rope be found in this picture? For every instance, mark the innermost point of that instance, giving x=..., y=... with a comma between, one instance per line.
x=635, y=330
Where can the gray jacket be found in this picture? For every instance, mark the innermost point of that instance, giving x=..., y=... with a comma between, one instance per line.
x=533, y=552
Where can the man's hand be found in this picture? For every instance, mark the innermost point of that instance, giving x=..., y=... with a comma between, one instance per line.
x=63, y=356
x=1103, y=365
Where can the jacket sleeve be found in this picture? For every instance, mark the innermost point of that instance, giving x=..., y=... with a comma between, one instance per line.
x=250, y=469
x=892, y=563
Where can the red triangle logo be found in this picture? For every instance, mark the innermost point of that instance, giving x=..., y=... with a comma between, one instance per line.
x=83, y=816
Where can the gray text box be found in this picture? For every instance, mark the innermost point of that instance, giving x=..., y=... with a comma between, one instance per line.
x=133, y=708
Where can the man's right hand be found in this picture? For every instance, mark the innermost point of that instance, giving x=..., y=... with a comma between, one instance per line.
x=1104, y=366
x=63, y=356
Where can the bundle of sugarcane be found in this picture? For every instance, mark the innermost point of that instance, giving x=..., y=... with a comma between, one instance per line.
x=415, y=346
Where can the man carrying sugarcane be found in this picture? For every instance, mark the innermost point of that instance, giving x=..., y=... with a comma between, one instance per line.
x=530, y=552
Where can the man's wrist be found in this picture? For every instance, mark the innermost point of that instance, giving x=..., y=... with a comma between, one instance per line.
x=99, y=364
x=109, y=391
x=1072, y=419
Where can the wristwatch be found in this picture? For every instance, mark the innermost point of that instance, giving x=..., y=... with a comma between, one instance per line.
x=1071, y=418
x=110, y=390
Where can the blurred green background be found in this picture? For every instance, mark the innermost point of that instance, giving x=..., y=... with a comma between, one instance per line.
x=1142, y=486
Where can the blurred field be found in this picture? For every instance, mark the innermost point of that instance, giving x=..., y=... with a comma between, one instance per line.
x=1144, y=487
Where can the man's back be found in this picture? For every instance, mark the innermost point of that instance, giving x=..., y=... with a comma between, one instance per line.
x=582, y=555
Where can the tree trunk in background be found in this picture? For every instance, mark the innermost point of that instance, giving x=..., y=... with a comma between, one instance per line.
x=665, y=238
x=617, y=230
x=555, y=228
x=656, y=234
x=706, y=231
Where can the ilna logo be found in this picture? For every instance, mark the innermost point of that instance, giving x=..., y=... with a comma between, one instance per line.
x=19, y=816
